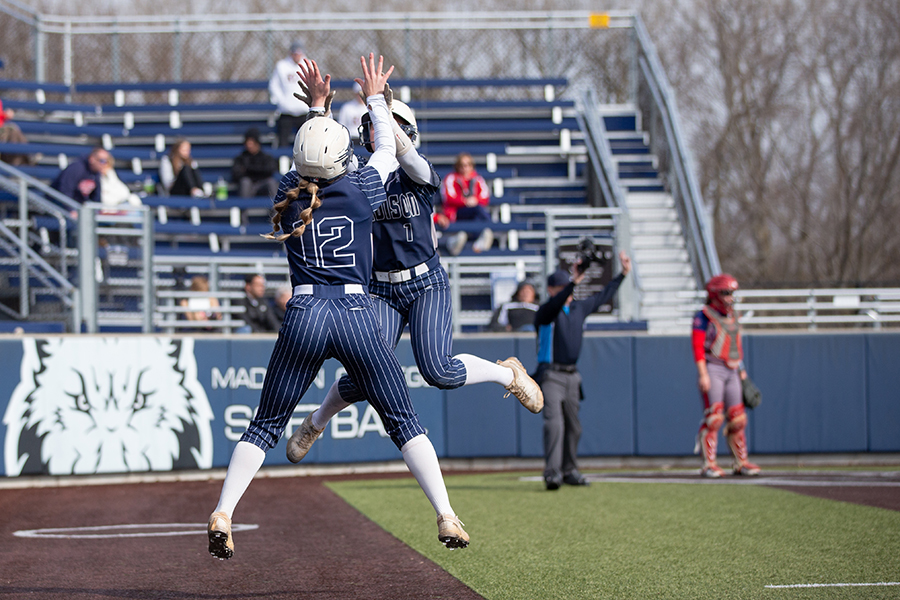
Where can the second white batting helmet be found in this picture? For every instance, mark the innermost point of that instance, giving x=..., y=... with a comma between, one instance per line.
x=405, y=113
x=322, y=150
x=401, y=112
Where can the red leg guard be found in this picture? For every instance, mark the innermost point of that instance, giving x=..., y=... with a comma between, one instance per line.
x=708, y=436
x=737, y=441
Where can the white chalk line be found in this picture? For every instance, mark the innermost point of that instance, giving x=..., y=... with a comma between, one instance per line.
x=750, y=481
x=121, y=531
x=819, y=585
x=735, y=480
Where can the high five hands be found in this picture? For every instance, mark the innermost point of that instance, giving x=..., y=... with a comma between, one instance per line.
x=374, y=78
x=316, y=90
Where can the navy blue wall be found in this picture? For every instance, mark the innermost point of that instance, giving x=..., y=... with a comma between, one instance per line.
x=821, y=393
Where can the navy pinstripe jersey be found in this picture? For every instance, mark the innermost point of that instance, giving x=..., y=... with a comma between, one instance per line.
x=336, y=247
x=403, y=232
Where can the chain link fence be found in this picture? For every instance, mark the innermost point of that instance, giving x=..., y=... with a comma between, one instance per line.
x=589, y=50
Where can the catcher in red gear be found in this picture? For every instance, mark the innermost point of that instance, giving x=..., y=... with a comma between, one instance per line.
x=716, y=342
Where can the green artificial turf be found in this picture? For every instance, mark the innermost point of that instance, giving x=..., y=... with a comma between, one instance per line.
x=642, y=540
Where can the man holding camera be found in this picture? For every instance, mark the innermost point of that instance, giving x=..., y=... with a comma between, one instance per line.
x=560, y=328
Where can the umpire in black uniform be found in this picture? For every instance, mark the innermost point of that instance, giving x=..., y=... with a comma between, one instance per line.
x=560, y=328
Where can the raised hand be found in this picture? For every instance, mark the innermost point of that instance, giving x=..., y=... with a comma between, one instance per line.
x=316, y=90
x=626, y=262
x=388, y=95
x=374, y=79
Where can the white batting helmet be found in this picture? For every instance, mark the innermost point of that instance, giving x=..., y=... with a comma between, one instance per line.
x=399, y=109
x=322, y=150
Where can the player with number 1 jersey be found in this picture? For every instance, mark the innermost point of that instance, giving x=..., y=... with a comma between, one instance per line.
x=410, y=286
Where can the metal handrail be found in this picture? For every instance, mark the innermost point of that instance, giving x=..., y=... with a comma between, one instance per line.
x=882, y=308
x=70, y=296
x=701, y=242
x=41, y=186
x=599, y=153
x=20, y=184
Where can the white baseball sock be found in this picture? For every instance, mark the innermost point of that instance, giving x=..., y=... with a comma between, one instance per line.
x=423, y=463
x=479, y=370
x=246, y=460
x=332, y=405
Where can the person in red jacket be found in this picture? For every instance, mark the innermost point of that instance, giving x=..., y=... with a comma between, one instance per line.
x=465, y=197
x=716, y=342
x=11, y=134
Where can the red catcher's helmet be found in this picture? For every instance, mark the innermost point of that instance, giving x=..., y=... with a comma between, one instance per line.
x=715, y=290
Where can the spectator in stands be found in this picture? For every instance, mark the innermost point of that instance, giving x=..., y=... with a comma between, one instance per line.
x=350, y=115
x=518, y=313
x=113, y=192
x=259, y=316
x=560, y=329
x=282, y=85
x=253, y=169
x=80, y=181
x=178, y=172
x=93, y=178
x=281, y=299
x=11, y=134
x=202, y=309
x=465, y=197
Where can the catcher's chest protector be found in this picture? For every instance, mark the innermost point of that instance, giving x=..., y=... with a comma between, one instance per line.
x=727, y=341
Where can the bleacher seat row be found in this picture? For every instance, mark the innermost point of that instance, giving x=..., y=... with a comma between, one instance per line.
x=531, y=152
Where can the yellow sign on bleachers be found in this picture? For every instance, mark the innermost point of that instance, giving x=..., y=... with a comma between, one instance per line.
x=599, y=20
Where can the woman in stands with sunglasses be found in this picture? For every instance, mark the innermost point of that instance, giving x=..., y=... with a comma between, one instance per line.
x=716, y=341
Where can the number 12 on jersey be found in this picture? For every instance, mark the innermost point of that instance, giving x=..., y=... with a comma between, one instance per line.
x=328, y=243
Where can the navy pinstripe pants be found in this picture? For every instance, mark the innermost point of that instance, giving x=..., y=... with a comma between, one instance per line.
x=424, y=303
x=345, y=328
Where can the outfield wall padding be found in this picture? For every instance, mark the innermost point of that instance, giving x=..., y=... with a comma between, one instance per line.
x=94, y=404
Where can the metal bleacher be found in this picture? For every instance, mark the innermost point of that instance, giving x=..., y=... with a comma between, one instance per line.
x=532, y=152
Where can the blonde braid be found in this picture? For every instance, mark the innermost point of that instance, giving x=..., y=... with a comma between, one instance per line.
x=305, y=214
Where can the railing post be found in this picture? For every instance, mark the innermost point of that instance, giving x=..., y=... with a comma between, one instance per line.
x=171, y=317
x=270, y=48
x=67, y=55
x=456, y=296
x=811, y=309
x=407, y=49
x=76, y=311
x=114, y=39
x=87, y=259
x=147, y=260
x=550, y=259
x=40, y=42
x=633, y=64
x=176, y=48
x=24, y=303
x=629, y=296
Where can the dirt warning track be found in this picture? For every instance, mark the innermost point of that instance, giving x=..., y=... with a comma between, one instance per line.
x=307, y=543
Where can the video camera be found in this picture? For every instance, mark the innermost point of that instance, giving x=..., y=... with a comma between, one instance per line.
x=588, y=253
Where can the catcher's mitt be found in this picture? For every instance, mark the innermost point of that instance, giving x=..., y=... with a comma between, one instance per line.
x=751, y=393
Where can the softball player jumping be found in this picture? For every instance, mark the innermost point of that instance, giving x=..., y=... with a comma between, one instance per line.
x=716, y=341
x=409, y=286
x=326, y=215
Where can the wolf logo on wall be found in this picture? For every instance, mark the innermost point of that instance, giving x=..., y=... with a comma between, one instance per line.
x=107, y=405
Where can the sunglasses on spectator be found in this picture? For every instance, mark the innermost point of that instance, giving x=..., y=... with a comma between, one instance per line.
x=726, y=293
